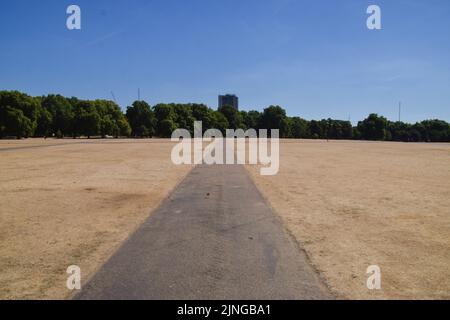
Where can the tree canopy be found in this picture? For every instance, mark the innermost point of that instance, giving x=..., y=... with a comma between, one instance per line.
x=24, y=116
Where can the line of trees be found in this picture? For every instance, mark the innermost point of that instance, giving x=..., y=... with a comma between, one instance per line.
x=24, y=116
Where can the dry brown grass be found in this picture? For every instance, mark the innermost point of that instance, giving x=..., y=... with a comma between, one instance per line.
x=349, y=204
x=73, y=204
x=355, y=204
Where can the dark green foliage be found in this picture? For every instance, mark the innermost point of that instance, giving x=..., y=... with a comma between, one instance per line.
x=108, y=127
x=183, y=117
x=274, y=117
x=20, y=101
x=141, y=119
x=166, y=127
x=400, y=131
x=435, y=131
x=54, y=115
x=124, y=127
x=299, y=128
x=338, y=129
x=61, y=110
x=316, y=130
x=165, y=118
x=220, y=122
x=373, y=128
x=252, y=119
x=18, y=114
x=44, y=123
x=86, y=120
x=233, y=116
x=15, y=123
x=210, y=119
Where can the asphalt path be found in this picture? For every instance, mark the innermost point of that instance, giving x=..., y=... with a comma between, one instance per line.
x=214, y=237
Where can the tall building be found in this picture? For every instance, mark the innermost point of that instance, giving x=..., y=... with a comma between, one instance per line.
x=229, y=100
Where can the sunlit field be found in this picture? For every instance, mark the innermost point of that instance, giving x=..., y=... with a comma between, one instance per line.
x=72, y=202
x=351, y=205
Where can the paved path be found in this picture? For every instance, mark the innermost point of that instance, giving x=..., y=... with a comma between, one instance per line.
x=215, y=237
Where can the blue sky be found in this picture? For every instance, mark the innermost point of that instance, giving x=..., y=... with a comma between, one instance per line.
x=317, y=59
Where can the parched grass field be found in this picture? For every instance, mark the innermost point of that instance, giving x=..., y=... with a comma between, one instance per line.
x=73, y=202
x=348, y=204
x=355, y=204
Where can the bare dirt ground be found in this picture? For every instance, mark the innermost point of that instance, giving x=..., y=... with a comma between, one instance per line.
x=73, y=204
x=355, y=204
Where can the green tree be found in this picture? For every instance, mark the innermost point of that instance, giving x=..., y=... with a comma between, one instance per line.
x=142, y=132
x=87, y=120
x=24, y=116
x=15, y=123
x=436, y=130
x=61, y=110
x=108, y=126
x=337, y=129
x=399, y=131
x=141, y=119
x=299, y=128
x=252, y=119
x=124, y=127
x=166, y=128
x=356, y=133
x=274, y=117
x=207, y=116
x=220, y=122
x=23, y=102
x=164, y=111
x=233, y=116
x=183, y=116
x=317, y=132
x=44, y=123
x=90, y=123
x=347, y=130
x=165, y=117
x=373, y=128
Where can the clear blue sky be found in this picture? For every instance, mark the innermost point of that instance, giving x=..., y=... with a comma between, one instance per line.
x=317, y=59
